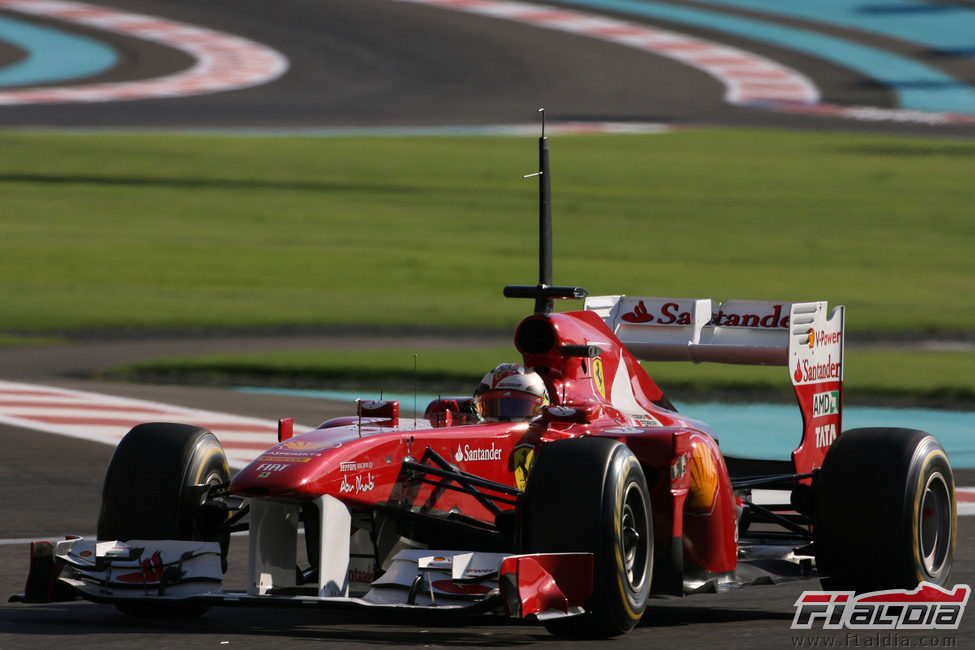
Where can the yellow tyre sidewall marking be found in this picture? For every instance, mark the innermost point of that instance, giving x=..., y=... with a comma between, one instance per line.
x=617, y=545
x=916, y=513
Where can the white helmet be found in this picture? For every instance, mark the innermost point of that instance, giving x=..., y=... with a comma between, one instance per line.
x=509, y=393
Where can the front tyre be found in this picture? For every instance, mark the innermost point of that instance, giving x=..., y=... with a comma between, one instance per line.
x=885, y=512
x=590, y=495
x=154, y=489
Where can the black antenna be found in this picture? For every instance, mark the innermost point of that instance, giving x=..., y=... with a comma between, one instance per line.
x=358, y=410
x=544, y=293
x=544, y=305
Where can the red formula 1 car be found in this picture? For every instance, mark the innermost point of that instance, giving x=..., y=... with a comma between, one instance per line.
x=568, y=489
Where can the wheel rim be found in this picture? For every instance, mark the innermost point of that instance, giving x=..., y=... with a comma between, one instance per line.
x=934, y=524
x=635, y=540
x=213, y=477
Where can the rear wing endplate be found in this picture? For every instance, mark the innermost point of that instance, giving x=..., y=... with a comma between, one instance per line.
x=804, y=336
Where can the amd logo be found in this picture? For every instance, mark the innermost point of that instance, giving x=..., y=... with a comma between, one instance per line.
x=827, y=403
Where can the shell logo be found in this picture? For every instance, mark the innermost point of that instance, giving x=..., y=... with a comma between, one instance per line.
x=812, y=339
x=704, y=478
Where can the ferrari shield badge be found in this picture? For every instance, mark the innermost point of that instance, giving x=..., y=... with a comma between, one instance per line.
x=597, y=376
x=522, y=458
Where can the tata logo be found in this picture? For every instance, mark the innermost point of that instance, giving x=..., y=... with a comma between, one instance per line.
x=825, y=435
x=827, y=403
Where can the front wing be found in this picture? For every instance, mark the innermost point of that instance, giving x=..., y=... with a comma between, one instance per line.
x=547, y=585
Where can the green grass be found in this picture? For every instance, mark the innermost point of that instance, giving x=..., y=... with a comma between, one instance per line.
x=898, y=377
x=105, y=231
x=378, y=367
x=14, y=340
x=871, y=375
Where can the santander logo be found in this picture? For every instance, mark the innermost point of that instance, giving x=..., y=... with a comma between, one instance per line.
x=769, y=321
x=670, y=314
x=808, y=371
x=467, y=453
x=673, y=313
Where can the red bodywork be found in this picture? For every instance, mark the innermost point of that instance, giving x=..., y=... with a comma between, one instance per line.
x=360, y=460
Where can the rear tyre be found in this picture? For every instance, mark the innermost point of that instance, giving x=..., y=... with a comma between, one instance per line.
x=149, y=493
x=885, y=514
x=590, y=495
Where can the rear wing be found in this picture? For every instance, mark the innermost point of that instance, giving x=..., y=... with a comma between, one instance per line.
x=801, y=335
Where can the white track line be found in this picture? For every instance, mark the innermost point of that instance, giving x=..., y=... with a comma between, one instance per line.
x=222, y=61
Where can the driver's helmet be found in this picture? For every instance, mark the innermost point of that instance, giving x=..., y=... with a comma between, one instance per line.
x=510, y=393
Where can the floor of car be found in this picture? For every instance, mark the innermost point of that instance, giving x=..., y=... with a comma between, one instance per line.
x=742, y=467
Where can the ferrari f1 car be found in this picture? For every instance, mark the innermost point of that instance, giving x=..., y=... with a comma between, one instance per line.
x=575, y=513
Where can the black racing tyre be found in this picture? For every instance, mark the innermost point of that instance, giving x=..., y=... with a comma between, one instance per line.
x=884, y=511
x=590, y=495
x=147, y=493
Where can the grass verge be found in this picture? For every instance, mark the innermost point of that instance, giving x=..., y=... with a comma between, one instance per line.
x=144, y=231
x=873, y=376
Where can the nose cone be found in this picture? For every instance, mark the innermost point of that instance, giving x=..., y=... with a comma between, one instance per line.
x=285, y=468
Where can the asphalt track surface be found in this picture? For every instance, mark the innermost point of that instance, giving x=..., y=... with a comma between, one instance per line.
x=51, y=486
x=378, y=63
x=373, y=63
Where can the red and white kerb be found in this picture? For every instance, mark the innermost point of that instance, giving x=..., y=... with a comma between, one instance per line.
x=222, y=61
x=748, y=78
x=106, y=418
